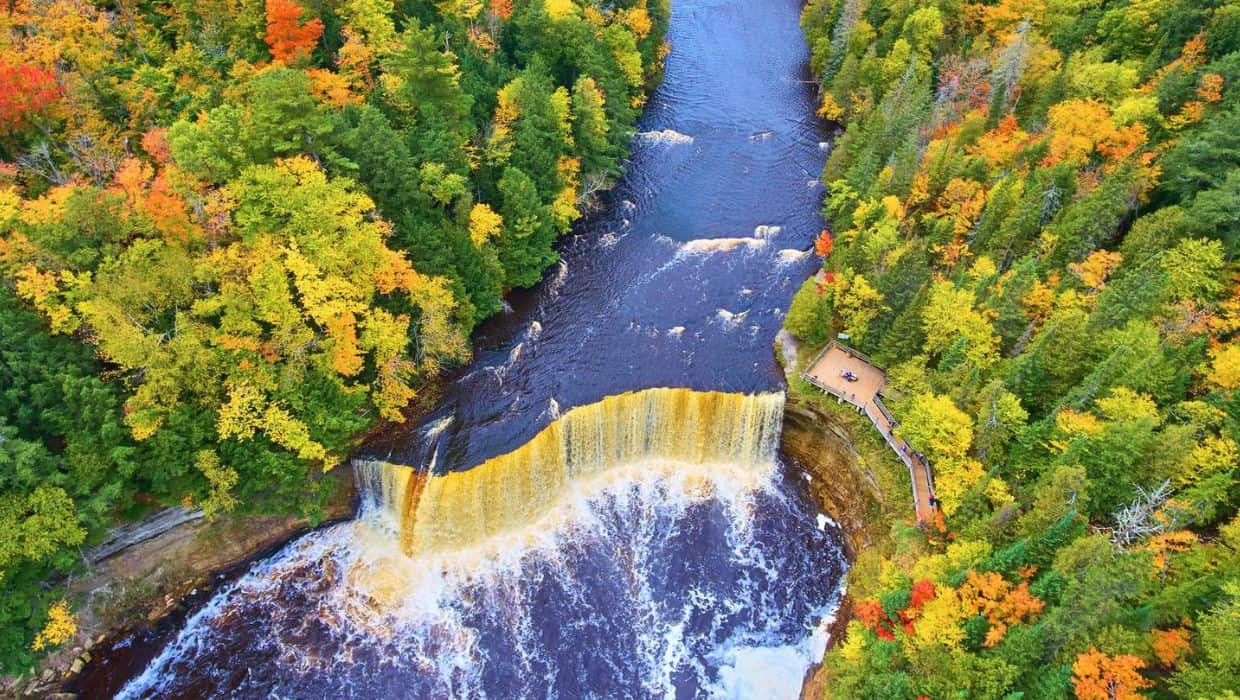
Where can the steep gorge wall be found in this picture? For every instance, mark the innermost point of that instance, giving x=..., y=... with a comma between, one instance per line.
x=841, y=485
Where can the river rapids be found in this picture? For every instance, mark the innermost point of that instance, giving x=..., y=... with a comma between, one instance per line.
x=597, y=507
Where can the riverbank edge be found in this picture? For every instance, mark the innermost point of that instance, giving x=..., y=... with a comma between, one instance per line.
x=136, y=590
x=849, y=478
x=139, y=590
x=842, y=487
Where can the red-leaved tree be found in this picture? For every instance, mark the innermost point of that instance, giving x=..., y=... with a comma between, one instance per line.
x=25, y=91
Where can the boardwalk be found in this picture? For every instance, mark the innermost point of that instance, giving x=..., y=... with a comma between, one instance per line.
x=863, y=390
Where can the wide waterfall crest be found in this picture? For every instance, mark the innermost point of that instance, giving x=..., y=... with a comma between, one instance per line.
x=661, y=429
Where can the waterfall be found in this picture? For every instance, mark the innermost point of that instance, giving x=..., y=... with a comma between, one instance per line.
x=656, y=429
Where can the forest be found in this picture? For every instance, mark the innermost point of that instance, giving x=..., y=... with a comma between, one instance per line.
x=237, y=234
x=1035, y=210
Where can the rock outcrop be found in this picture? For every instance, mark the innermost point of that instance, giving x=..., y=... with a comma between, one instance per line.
x=146, y=570
x=842, y=487
x=845, y=490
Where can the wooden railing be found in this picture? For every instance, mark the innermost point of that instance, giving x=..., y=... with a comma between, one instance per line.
x=855, y=353
x=881, y=418
x=886, y=423
x=885, y=413
x=824, y=387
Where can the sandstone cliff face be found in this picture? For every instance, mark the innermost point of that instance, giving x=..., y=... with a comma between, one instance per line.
x=843, y=488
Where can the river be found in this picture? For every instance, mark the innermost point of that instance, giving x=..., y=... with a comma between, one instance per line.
x=586, y=532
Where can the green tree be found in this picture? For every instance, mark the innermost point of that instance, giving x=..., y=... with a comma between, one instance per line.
x=274, y=114
x=524, y=246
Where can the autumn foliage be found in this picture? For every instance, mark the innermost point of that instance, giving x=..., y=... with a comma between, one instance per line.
x=291, y=40
x=1098, y=676
x=60, y=628
x=1002, y=604
x=25, y=91
x=823, y=244
x=500, y=8
x=1171, y=645
x=872, y=615
x=1033, y=208
x=235, y=236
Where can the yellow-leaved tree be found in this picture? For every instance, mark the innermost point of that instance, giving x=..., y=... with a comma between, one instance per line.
x=934, y=426
x=283, y=280
x=60, y=628
x=950, y=317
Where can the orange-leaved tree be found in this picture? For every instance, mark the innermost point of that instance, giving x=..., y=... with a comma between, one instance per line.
x=290, y=39
x=1099, y=676
x=1002, y=604
x=824, y=243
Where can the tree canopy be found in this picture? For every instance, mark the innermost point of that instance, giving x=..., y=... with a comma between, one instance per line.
x=1042, y=197
x=234, y=236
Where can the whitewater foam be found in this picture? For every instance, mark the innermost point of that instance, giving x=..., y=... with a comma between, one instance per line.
x=703, y=246
x=345, y=612
x=730, y=319
x=666, y=137
x=790, y=256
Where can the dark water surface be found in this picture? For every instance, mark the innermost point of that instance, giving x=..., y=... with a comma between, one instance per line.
x=684, y=278
x=648, y=583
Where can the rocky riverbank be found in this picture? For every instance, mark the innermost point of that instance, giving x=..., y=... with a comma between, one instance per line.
x=843, y=484
x=165, y=568
x=156, y=571
x=839, y=480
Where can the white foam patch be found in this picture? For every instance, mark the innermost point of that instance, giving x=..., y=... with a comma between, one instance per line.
x=676, y=331
x=789, y=256
x=666, y=137
x=775, y=672
x=824, y=520
x=704, y=246
x=765, y=231
x=730, y=319
x=435, y=428
x=762, y=672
